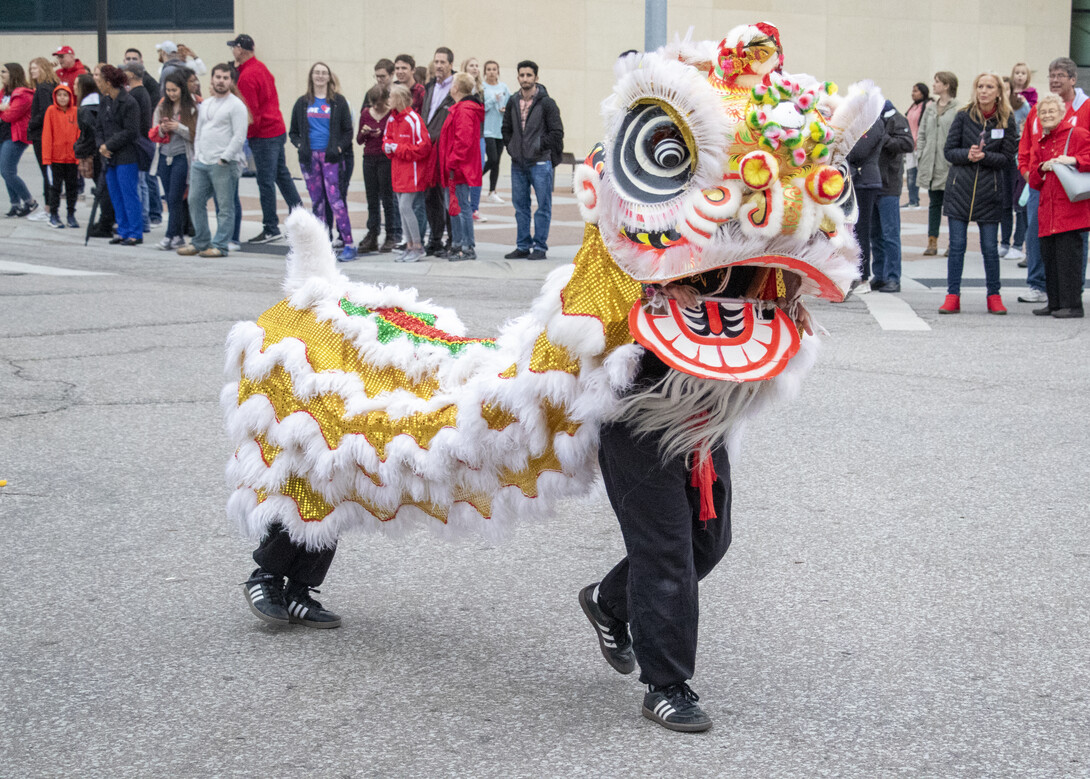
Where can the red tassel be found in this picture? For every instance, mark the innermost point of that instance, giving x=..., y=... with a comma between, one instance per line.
x=703, y=476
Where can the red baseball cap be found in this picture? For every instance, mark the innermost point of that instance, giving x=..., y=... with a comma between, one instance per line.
x=64, y=50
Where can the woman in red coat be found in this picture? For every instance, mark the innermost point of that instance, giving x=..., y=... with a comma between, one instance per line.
x=1059, y=220
x=407, y=144
x=15, y=100
x=460, y=162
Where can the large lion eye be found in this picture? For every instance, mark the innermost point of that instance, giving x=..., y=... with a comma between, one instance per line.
x=652, y=160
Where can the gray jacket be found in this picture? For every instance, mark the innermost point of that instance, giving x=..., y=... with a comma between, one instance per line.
x=931, y=165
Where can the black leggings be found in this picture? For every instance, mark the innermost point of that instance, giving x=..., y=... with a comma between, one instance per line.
x=493, y=150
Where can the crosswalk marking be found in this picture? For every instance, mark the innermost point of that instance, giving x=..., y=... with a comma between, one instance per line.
x=7, y=266
x=893, y=313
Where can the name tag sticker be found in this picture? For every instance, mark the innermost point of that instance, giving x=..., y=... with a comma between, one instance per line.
x=997, y=133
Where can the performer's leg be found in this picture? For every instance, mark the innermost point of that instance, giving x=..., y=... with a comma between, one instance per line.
x=278, y=557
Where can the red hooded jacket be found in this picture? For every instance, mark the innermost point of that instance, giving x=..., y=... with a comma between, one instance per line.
x=411, y=154
x=61, y=130
x=18, y=113
x=258, y=88
x=460, y=144
x=1057, y=214
x=69, y=75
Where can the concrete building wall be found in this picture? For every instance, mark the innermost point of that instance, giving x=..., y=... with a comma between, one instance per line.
x=894, y=42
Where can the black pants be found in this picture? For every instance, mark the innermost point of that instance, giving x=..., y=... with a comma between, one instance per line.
x=1061, y=255
x=654, y=588
x=280, y=555
x=493, y=150
x=63, y=174
x=380, y=196
x=438, y=218
x=106, y=216
x=866, y=199
x=41, y=167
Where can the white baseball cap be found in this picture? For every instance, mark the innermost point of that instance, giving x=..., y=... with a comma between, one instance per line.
x=167, y=46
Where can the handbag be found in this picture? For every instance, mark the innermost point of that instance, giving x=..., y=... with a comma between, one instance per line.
x=1075, y=183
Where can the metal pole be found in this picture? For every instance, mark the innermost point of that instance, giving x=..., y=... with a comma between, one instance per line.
x=100, y=17
x=654, y=24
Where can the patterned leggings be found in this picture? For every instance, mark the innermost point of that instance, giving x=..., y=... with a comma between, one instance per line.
x=322, y=179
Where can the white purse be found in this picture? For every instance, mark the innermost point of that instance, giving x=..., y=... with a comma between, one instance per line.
x=1075, y=183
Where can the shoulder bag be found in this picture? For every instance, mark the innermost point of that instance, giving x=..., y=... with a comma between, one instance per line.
x=1075, y=183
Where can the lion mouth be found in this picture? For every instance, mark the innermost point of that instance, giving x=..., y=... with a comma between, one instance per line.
x=738, y=330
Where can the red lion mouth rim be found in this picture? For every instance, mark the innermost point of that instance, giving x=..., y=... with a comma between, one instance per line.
x=813, y=281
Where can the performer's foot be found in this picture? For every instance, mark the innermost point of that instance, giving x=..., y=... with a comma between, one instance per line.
x=265, y=595
x=674, y=707
x=613, y=638
x=304, y=610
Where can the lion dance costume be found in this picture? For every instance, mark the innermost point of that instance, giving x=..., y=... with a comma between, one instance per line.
x=354, y=406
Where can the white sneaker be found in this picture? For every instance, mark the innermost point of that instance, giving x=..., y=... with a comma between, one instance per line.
x=166, y=245
x=1014, y=254
x=495, y=198
x=1004, y=251
x=41, y=215
x=862, y=288
x=479, y=217
x=338, y=243
x=1033, y=296
x=234, y=246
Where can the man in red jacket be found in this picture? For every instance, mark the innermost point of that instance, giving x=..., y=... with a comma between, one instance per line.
x=460, y=162
x=68, y=67
x=266, y=135
x=1062, y=79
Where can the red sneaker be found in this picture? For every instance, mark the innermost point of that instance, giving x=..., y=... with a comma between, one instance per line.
x=995, y=305
x=952, y=305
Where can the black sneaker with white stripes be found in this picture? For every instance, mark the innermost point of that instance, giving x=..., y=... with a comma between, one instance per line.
x=304, y=610
x=265, y=595
x=613, y=638
x=674, y=707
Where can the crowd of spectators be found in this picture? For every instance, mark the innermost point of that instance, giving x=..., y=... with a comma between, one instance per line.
x=428, y=136
x=432, y=136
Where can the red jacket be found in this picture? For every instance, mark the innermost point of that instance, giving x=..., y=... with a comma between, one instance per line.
x=18, y=113
x=61, y=130
x=258, y=88
x=411, y=154
x=1056, y=213
x=460, y=144
x=69, y=75
x=1031, y=130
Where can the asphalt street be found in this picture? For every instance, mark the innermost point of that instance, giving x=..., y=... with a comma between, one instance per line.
x=906, y=594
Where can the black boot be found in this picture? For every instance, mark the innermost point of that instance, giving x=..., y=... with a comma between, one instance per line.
x=368, y=244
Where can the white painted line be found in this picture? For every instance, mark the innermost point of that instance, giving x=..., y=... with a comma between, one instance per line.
x=893, y=313
x=45, y=270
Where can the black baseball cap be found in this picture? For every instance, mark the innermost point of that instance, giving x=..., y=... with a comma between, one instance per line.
x=245, y=41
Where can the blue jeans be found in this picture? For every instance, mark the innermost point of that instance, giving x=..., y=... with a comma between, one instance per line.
x=540, y=177
x=153, y=209
x=913, y=190
x=123, y=183
x=174, y=183
x=885, y=239
x=1035, y=269
x=461, y=226
x=10, y=152
x=989, y=246
x=204, y=181
x=272, y=172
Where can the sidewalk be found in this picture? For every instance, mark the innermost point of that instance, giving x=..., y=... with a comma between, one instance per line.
x=495, y=238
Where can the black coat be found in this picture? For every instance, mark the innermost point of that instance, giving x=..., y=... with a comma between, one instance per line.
x=435, y=126
x=863, y=158
x=896, y=143
x=542, y=138
x=974, y=190
x=119, y=127
x=43, y=98
x=87, y=118
x=341, y=133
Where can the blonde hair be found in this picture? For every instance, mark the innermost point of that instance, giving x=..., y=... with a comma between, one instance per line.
x=1029, y=73
x=1003, y=106
x=400, y=97
x=465, y=83
x=478, y=84
x=46, y=74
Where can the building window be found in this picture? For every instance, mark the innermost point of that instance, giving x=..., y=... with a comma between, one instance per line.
x=1080, y=32
x=79, y=15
